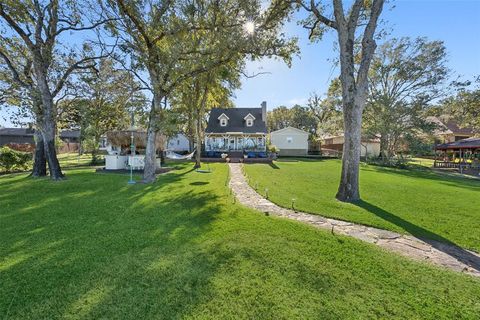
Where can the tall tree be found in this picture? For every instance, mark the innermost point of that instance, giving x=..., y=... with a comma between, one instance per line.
x=300, y=117
x=327, y=113
x=163, y=38
x=405, y=77
x=106, y=98
x=465, y=105
x=360, y=20
x=37, y=26
x=204, y=92
x=279, y=118
x=18, y=91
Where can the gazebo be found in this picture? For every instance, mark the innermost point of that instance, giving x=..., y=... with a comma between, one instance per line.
x=119, y=149
x=461, y=154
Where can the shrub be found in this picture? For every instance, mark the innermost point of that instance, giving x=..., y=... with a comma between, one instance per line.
x=274, y=149
x=11, y=160
x=394, y=162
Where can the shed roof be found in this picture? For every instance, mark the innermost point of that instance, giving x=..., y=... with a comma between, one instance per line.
x=291, y=129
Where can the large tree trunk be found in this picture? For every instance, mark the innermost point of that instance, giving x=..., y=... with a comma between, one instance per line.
x=39, y=161
x=95, y=149
x=48, y=123
x=199, y=127
x=383, y=146
x=354, y=90
x=348, y=189
x=152, y=130
x=198, y=139
x=54, y=168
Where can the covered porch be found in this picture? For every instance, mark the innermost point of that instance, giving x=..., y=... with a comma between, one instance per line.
x=463, y=155
x=235, y=142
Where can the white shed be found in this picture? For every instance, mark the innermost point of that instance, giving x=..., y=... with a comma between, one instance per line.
x=291, y=141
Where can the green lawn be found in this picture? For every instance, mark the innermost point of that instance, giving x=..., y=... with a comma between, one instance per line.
x=74, y=159
x=93, y=247
x=415, y=201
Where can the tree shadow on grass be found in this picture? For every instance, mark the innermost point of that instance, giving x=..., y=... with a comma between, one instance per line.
x=437, y=241
x=142, y=254
x=273, y=165
x=428, y=174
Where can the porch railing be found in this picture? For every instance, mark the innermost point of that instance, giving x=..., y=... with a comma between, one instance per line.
x=445, y=164
x=453, y=165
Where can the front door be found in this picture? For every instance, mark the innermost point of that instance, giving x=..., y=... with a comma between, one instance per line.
x=231, y=145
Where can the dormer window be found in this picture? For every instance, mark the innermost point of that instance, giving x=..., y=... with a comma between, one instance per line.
x=249, y=118
x=223, y=120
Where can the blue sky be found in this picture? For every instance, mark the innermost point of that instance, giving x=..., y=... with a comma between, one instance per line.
x=456, y=22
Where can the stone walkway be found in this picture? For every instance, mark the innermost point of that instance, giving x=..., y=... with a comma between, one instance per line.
x=446, y=255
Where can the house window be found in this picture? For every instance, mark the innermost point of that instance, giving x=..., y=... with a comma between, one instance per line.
x=289, y=139
x=249, y=122
x=223, y=122
x=261, y=142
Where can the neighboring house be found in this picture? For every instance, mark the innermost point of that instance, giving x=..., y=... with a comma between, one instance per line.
x=178, y=143
x=70, y=136
x=236, y=130
x=16, y=136
x=19, y=137
x=449, y=130
x=369, y=147
x=291, y=141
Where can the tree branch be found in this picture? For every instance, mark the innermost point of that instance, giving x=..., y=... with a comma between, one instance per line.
x=15, y=74
x=368, y=42
x=316, y=12
x=11, y=22
x=72, y=26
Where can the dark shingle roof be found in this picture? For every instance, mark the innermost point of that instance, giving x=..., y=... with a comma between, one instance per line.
x=236, y=122
x=469, y=143
x=448, y=125
x=70, y=134
x=453, y=126
x=16, y=132
x=29, y=132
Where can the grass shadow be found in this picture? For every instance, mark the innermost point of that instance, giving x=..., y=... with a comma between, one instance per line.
x=437, y=241
x=133, y=249
x=273, y=165
x=428, y=174
x=199, y=183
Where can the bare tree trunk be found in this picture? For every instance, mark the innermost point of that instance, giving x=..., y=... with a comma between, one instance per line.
x=54, y=168
x=198, y=138
x=95, y=149
x=191, y=144
x=48, y=132
x=354, y=89
x=348, y=189
x=383, y=146
x=199, y=127
x=152, y=130
x=48, y=123
x=39, y=161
